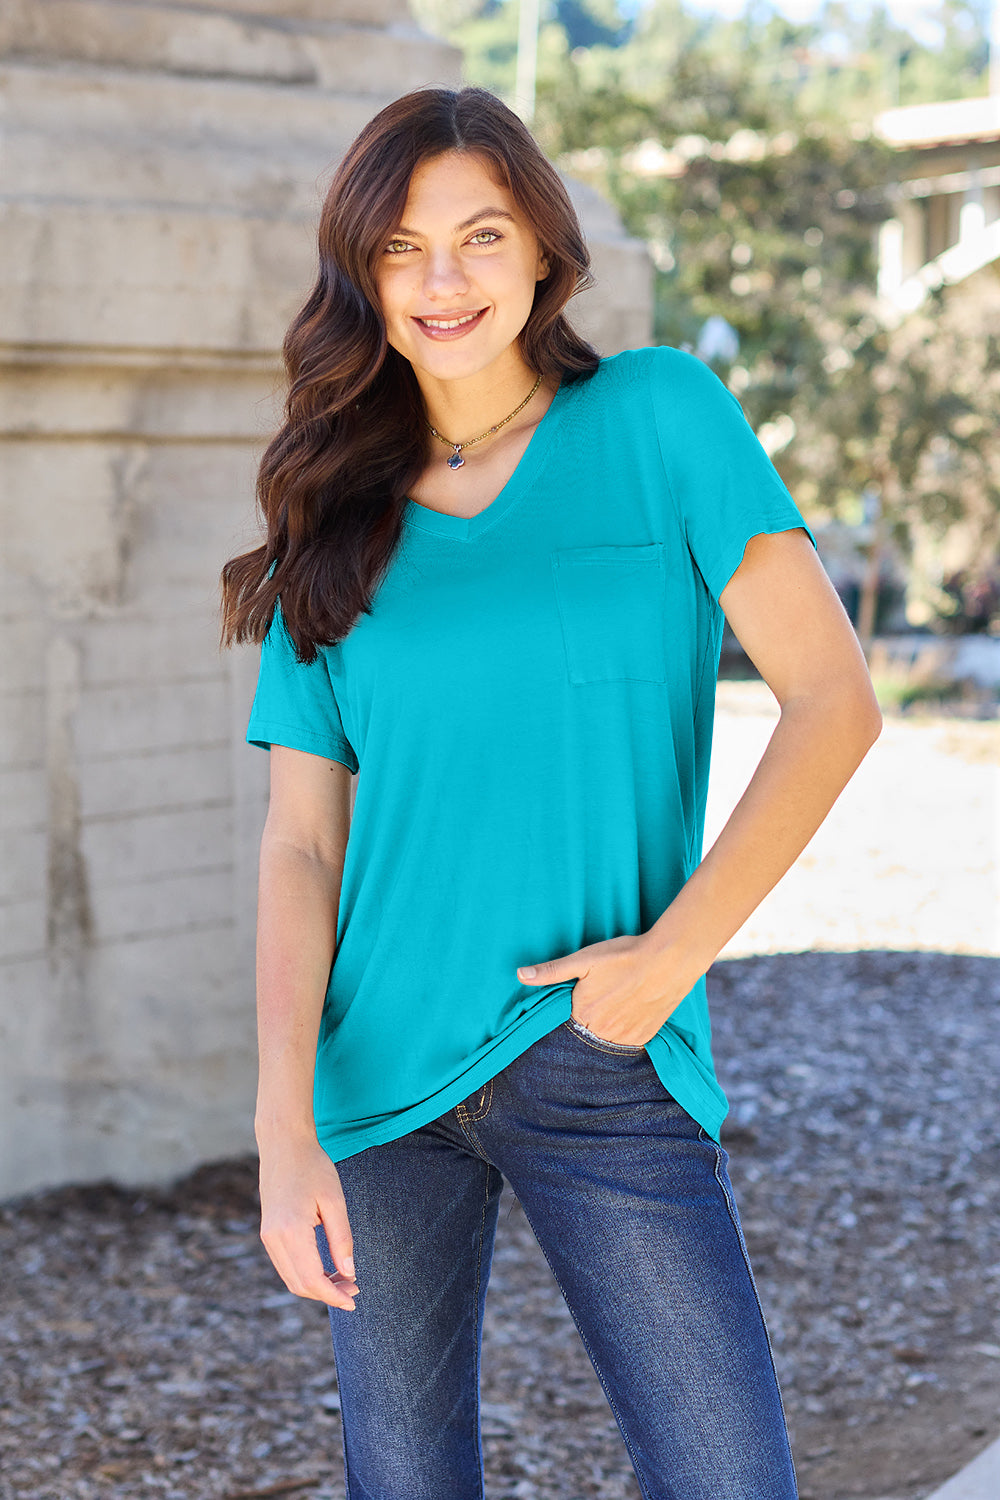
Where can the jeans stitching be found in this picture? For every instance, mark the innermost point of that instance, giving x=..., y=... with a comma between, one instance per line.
x=477, y=1425
x=465, y=1125
x=599, y=1043
x=734, y=1217
x=464, y=1118
x=485, y=1102
x=343, y=1433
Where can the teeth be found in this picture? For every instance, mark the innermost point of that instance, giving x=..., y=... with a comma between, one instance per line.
x=449, y=322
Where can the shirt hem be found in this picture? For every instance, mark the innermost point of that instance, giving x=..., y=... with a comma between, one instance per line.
x=768, y=524
x=688, y=1086
x=264, y=733
x=683, y=1083
x=540, y=1020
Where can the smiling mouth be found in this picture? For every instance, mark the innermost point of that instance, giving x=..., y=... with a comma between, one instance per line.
x=447, y=325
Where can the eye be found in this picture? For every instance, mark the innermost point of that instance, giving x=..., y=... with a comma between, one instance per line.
x=491, y=232
x=397, y=247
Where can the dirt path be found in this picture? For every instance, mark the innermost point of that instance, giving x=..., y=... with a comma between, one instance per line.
x=909, y=857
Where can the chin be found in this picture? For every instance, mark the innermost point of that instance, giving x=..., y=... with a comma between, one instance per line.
x=454, y=367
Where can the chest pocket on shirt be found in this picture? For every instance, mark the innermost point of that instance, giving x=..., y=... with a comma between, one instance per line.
x=612, y=609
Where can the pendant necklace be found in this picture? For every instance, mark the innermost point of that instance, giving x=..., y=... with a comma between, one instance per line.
x=455, y=460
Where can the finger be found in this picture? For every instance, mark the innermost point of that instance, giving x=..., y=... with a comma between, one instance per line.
x=335, y=1247
x=295, y=1259
x=306, y=1278
x=334, y=1240
x=336, y=1244
x=569, y=966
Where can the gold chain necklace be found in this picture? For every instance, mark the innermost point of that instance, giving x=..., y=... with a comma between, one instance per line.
x=456, y=461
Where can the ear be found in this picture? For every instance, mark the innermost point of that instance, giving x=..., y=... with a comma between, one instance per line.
x=543, y=267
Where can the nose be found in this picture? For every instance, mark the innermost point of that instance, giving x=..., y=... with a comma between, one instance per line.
x=444, y=275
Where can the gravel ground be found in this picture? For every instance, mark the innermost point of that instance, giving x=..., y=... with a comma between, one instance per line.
x=151, y=1350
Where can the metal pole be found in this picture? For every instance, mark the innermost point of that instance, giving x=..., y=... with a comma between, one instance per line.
x=527, y=59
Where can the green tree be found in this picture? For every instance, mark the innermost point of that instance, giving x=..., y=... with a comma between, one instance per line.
x=910, y=414
x=742, y=153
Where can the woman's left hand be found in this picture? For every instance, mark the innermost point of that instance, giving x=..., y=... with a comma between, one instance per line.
x=620, y=994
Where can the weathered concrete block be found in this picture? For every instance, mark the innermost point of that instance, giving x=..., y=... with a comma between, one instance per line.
x=617, y=313
x=175, y=778
x=137, y=847
x=368, y=12
x=117, y=720
x=21, y=727
x=197, y=280
x=22, y=870
x=167, y=1001
x=122, y=650
x=22, y=798
x=22, y=923
x=163, y=173
x=346, y=51
x=164, y=904
x=21, y=658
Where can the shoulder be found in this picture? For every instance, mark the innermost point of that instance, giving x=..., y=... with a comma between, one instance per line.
x=677, y=371
x=669, y=374
x=278, y=651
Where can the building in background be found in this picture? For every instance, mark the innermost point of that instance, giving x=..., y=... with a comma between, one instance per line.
x=946, y=230
x=944, y=238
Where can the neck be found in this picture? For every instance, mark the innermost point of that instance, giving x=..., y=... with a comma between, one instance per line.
x=461, y=409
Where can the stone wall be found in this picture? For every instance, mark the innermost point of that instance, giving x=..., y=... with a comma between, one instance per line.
x=163, y=170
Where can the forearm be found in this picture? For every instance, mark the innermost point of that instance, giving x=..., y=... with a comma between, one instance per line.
x=296, y=938
x=816, y=747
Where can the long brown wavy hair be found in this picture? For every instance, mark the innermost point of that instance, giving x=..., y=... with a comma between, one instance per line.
x=332, y=484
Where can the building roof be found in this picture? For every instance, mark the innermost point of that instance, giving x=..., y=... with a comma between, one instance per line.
x=947, y=122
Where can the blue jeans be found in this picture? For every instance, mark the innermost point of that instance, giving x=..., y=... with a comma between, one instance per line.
x=630, y=1200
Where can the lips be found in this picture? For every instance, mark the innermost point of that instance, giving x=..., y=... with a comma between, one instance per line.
x=455, y=325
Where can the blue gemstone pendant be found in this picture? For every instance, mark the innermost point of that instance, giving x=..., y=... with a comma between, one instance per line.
x=456, y=460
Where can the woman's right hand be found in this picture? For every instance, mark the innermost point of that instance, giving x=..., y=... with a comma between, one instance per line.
x=300, y=1188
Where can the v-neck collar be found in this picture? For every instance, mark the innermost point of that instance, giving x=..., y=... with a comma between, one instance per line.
x=467, y=528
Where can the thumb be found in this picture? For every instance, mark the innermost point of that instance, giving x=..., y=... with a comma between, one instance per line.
x=553, y=969
x=343, y=1258
x=336, y=1248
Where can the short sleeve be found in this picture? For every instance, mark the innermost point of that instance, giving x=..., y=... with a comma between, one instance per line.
x=295, y=705
x=724, y=486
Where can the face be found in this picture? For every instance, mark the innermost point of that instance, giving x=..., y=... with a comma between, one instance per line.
x=457, y=279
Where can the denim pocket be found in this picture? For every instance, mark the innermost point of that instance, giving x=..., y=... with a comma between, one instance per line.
x=612, y=610
x=601, y=1043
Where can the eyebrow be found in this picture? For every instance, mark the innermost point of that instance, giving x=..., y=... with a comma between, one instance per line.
x=484, y=213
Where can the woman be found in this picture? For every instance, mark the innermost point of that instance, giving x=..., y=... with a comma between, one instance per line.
x=502, y=565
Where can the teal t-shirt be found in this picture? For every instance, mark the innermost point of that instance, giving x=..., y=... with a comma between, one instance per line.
x=529, y=710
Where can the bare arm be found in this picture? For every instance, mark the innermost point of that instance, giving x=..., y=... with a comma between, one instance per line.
x=301, y=864
x=786, y=613
x=789, y=620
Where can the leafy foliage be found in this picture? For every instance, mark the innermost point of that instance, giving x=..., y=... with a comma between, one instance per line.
x=742, y=153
